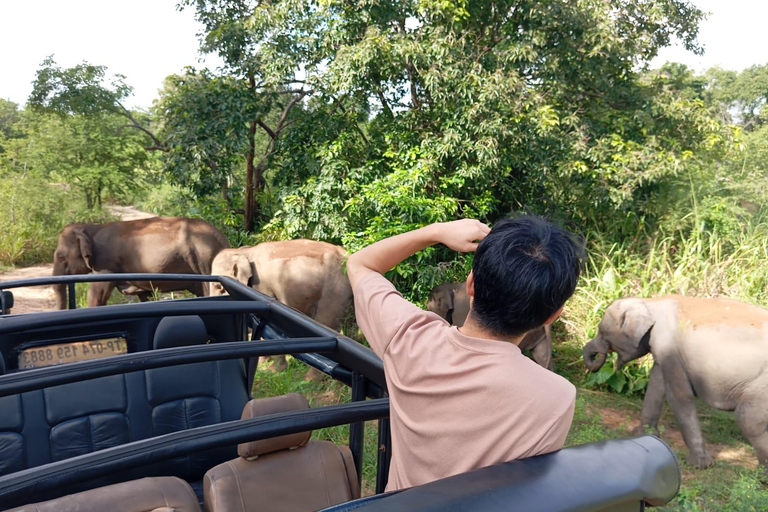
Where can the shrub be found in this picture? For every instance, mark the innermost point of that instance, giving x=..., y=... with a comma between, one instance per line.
x=32, y=213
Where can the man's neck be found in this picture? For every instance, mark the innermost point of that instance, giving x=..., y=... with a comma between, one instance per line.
x=473, y=330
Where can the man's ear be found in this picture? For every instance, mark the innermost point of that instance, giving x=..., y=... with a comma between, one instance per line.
x=553, y=316
x=471, y=285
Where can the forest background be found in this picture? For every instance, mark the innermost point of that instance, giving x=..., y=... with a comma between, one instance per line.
x=350, y=121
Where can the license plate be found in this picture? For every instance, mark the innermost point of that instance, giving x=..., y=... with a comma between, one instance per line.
x=61, y=353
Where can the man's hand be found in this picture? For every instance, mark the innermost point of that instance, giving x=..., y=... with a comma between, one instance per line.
x=463, y=235
x=460, y=235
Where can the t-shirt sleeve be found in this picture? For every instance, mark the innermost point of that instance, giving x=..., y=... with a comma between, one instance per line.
x=381, y=310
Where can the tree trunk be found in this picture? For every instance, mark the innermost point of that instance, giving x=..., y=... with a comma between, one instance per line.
x=251, y=185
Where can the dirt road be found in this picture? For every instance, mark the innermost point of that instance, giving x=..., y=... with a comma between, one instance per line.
x=40, y=298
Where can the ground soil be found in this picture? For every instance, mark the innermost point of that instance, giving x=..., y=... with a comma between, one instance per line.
x=41, y=298
x=620, y=420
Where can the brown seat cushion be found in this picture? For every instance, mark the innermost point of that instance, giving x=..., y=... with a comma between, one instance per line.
x=307, y=478
x=161, y=494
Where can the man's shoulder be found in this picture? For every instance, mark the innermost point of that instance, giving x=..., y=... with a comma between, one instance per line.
x=547, y=385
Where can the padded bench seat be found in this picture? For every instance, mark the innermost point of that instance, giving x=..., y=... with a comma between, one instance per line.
x=56, y=423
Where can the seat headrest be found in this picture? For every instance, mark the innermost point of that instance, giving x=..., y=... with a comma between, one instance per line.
x=180, y=331
x=273, y=405
x=2, y=365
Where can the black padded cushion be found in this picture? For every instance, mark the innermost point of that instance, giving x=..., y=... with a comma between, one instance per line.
x=193, y=395
x=87, y=416
x=616, y=475
x=59, y=422
x=12, y=453
x=180, y=331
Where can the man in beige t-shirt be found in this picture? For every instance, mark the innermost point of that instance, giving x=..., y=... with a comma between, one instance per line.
x=465, y=398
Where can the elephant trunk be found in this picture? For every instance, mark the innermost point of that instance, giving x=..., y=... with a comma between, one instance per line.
x=60, y=290
x=595, y=353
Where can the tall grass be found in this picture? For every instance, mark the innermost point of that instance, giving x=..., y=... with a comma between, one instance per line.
x=32, y=212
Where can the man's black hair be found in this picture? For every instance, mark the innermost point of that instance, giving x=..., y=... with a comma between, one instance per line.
x=525, y=269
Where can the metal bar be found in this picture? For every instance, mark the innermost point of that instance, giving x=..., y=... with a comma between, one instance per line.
x=96, y=278
x=384, y=455
x=143, y=310
x=40, y=378
x=5, y=297
x=357, y=430
x=71, y=296
x=16, y=488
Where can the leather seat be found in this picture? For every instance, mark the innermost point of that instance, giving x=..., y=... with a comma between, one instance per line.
x=160, y=494
x=193, y=395
x=55, y=423
x=288, y=473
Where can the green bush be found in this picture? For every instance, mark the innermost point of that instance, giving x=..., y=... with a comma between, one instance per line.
x=32, y=213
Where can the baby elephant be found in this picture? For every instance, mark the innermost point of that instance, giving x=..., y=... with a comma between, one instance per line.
x=716, y=349
x=304, y=274
x=450, y=301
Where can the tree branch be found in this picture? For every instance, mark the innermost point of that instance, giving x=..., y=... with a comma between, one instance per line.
x=272, y=135
x=384, y=104
x=157, y=145
x=346, y=113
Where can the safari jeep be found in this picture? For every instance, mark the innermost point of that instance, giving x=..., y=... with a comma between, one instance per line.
x=148, y=407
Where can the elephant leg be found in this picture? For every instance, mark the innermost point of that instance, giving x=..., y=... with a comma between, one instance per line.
x=542, y=353
x=98, y=293
x=329, y=316
x=679, y=394
x=653, y=402
x=199, y=289
x=143, y=296
x=752, y=419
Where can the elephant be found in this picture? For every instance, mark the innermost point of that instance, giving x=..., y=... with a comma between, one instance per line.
x=451, y=302
x=716, y=349
x=304, y=274
x=154, y=245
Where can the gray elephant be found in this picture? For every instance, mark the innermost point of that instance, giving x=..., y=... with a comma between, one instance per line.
x=716, y=349
x=451, y=302
x=153, y=245
x=304, y=274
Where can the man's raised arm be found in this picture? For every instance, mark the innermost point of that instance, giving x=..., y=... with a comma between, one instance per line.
x=460, y=235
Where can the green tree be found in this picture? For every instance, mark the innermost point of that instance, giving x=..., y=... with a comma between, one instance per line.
x=86, y=90
x=485, y=107
x=249, y=104
x=13, y=132
x=88, y=153
x=743, y=94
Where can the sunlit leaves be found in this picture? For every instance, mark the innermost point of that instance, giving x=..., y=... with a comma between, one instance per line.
x=83, y=89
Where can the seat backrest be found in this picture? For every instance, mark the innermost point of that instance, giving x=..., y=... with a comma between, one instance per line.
x=55, y=423
x=160, y=494
x=193, y=395
x=287, y=473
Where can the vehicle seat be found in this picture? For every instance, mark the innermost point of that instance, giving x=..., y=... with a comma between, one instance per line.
x=160, y=494
x=284, y=474
x=193, y=395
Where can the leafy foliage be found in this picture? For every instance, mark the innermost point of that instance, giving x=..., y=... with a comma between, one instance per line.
x=89, y=154
x=32, y=212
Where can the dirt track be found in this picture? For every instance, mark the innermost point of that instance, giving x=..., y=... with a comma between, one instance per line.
x=40, y=298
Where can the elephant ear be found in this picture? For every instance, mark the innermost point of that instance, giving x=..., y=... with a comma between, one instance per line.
x=446, y=304
x=86, y=248
x=636, y=320
x=241, y=270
